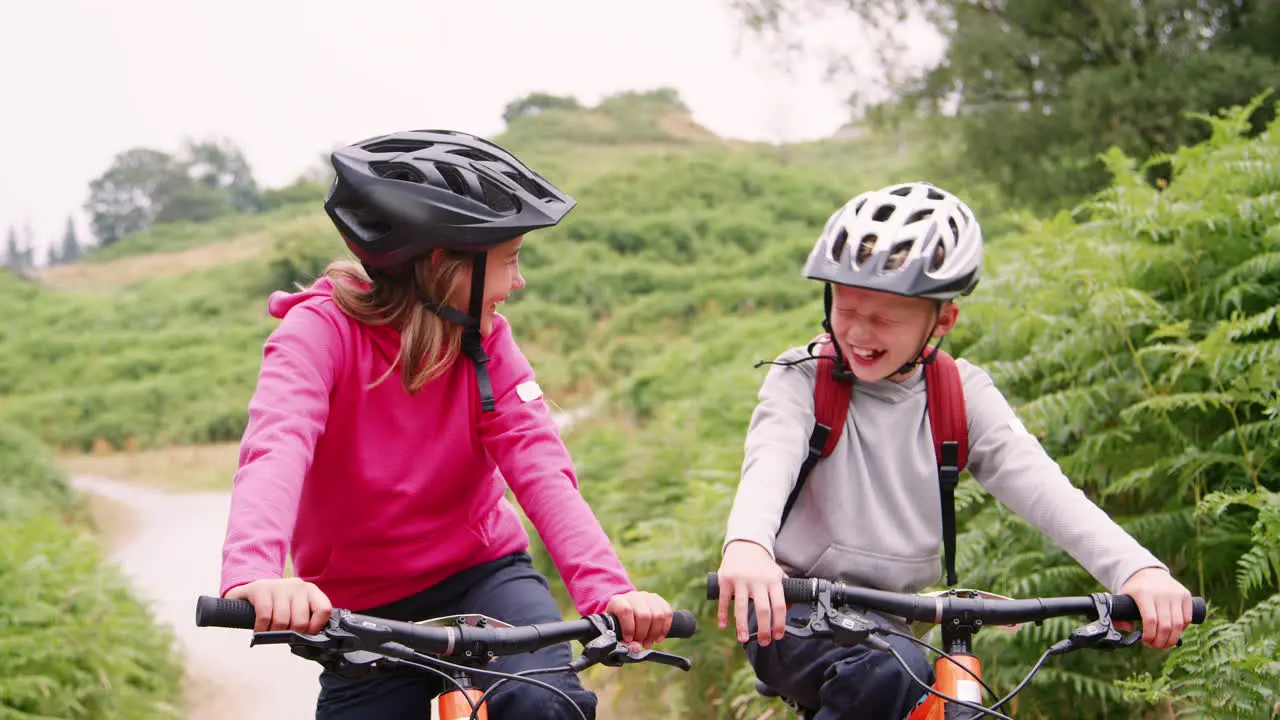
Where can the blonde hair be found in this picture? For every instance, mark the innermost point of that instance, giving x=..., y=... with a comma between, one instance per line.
x=432, y=343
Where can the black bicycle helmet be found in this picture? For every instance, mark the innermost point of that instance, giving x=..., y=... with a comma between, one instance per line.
x=397, y=197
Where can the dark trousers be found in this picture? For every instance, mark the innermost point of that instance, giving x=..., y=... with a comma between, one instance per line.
x=832, y=682
x=508, y=589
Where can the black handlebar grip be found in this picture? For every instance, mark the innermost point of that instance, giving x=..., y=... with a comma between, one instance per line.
x=794, y=590
x=683, y=624
x=220, y=612
x=1124, y=608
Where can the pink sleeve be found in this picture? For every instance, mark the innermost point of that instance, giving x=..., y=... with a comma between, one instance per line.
x=524, y=440
x=287, y=414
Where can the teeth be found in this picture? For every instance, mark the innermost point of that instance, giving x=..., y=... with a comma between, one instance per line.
x=865, y=353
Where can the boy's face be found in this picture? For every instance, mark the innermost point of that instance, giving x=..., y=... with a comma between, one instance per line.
x=878, y=332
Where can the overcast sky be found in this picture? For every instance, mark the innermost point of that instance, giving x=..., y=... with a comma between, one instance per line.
x=286, y=79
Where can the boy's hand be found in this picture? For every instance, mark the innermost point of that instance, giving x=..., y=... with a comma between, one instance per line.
x=1164, y=603
x=748, y=572
x=644, y=616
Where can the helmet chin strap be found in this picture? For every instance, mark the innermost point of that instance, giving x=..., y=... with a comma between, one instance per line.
x=920, y=357
x=472, y=342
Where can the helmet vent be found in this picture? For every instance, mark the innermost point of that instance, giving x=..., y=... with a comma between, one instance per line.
x=865, y=247
x=955, y=229
x=397, y=171
x=903, y=191
x=837, y=245
x=939, y=257
x=883, y=213
x=397, y=145
x=919, y=215
x=935, y=195
x=529, y=185
x=497, y=199
x=898, y=255
x=473, y=154
x=453, y=178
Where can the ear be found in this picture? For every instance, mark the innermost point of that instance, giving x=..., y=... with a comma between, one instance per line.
x=948, y=314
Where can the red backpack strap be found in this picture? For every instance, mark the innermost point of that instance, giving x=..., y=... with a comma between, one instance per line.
x=948, y=422
x=831, y=397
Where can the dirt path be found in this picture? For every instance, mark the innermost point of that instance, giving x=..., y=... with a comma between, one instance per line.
x=171, y=552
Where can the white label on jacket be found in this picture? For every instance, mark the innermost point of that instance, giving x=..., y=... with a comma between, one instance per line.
x=529, y=391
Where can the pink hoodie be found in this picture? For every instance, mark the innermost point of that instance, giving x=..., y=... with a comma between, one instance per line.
x=380, y=494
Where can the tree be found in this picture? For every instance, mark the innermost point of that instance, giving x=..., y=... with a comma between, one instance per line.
x=18, y=250
x=12, y=251
x=220, y=165
x=1042, y=87
x=143, y=187
x=535, y=103
x=70, y=244
x=131, y=193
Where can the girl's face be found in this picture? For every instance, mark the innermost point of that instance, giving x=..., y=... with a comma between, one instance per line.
x=502, y=277
x=879, y=332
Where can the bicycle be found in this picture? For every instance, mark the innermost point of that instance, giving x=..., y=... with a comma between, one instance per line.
x=355, y=645
x=956, y=693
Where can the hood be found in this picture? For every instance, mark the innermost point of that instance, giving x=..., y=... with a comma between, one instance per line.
x=282, y=301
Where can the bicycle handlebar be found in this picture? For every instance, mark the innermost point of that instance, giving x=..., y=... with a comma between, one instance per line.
x=937, y=610
x=433, y=640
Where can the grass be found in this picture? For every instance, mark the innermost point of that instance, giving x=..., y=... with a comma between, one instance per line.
x=176, y=468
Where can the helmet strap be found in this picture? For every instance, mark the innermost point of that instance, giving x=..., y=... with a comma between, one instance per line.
x=841, y=370
x=472, y=342
x=922, y=357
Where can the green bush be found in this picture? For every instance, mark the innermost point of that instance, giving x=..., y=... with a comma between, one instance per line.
x=74, y=641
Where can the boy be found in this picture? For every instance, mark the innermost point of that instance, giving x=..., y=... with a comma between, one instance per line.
x=894, y=261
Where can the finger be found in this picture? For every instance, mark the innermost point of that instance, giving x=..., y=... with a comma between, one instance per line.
x=1177, y=620
x=740, y=598
x=1188, y=611
x=299, y=609
x=1164, y=634
x=1150, y=621
x=626, y=620
x=726, y=594
x=764, y=613
x=321, y=609
x=1125, y=625
x=262, y=609
x=663, y=618
x=281, y=608
x=643, y=619
x=779, y=608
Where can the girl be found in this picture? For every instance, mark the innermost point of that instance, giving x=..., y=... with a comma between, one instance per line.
x=390, y=495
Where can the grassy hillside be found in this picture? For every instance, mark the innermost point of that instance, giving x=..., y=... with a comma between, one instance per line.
x=1138, y=341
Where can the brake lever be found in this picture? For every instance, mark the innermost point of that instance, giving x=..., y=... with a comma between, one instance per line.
x=289, y=637
x=1101, y=634
x=656, y=656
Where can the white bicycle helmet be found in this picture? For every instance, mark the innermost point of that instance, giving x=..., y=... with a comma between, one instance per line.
x=912, y=239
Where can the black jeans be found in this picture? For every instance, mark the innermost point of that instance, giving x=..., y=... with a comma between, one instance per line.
x=832, y=682
x=508, y=589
